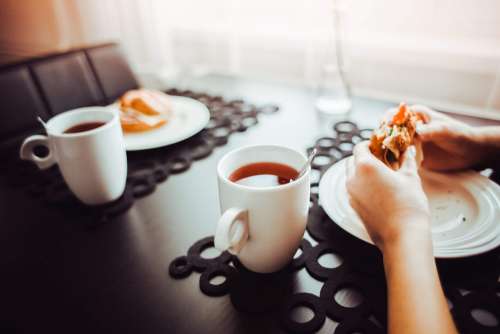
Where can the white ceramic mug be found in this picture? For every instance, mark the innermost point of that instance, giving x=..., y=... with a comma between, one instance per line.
x=93, y=163
x=262, y=226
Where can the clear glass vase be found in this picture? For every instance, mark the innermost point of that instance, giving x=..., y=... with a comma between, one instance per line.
x=333, y=95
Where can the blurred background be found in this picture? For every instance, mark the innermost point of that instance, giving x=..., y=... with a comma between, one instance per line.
x=444, y=53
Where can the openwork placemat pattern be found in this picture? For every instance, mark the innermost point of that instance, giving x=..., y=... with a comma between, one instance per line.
x=469, y=284
x=145, y=168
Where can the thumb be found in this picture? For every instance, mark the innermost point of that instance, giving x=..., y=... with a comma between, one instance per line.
x=419, y=152
x=432, y=131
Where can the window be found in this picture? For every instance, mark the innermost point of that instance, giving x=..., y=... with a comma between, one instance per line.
x=445, y=53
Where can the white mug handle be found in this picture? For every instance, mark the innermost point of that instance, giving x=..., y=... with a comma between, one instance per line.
x=26, y=151
x=232, y=230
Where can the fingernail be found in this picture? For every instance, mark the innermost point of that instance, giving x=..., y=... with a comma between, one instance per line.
x=420, y=127
x=412, y=151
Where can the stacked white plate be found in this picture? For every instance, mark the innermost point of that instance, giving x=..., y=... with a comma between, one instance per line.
x=465, y=210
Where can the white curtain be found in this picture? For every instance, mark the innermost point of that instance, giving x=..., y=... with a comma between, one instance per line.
x=442, y=52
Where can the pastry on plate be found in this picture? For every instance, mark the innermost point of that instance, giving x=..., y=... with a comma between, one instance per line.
x=389, y=142
x=144, y=110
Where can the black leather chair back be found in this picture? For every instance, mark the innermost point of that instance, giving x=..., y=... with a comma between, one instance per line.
x=112, y=71
x=67, y=82
x=20, y=103
x=46, y=86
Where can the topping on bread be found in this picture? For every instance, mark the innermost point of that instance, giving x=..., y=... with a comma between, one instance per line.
x=143, y=110
x=389, y=142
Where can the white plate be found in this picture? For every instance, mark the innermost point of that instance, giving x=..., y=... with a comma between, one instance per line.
x=188, y=118
x=452, y=197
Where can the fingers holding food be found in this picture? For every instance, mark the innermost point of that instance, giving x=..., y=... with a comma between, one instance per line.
x=393, y=137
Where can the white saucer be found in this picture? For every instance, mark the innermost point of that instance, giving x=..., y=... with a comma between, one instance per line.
x=465, y=210
x=188, y=118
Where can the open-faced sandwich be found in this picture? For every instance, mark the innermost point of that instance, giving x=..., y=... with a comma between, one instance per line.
x=392, y=138
x=143, y=110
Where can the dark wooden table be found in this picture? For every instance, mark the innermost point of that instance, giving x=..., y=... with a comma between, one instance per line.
x=59, y=276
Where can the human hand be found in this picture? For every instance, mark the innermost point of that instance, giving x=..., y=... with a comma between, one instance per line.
x=392, y=204
x=449, y=144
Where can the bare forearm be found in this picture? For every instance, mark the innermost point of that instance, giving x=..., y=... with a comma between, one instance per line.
x=416, y=299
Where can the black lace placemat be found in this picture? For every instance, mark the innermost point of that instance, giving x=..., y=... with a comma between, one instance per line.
x=145, y=168
x=469, y=283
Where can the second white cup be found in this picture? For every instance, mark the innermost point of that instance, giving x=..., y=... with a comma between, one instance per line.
x=262, y=226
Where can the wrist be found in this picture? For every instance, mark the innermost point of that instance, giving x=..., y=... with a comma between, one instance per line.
x=414, y=235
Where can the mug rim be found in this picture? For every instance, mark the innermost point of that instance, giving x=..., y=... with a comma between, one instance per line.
x=260, y=189
x=82, y=110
